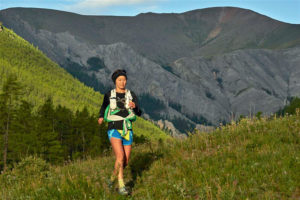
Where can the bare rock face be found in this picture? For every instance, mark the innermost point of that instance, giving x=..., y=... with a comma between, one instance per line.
x=203, y=128
x=160, y=124
x=195, y=75
x=146, y=116
x=169, y=126
x=245, y=81
x=293, y=57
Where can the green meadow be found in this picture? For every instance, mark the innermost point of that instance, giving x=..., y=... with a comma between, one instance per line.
x=252, y=159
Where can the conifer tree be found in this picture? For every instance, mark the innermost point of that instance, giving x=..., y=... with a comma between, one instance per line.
x=24, y=135
x=81, y=131
x=9, y=100
x=63, y=126
x=48, y=144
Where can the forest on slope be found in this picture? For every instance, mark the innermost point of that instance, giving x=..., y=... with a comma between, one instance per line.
x=46, y=112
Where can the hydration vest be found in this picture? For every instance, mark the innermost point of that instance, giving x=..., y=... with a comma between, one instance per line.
x=112, y=109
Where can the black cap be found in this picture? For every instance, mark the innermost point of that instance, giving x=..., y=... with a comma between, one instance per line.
x=117, y=73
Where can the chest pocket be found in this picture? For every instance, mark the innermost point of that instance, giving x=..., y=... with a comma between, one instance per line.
x=121, y=102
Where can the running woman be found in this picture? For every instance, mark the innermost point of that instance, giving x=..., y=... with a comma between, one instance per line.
x=119, y=109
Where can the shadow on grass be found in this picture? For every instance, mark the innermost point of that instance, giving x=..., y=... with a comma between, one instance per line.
x=141, y=162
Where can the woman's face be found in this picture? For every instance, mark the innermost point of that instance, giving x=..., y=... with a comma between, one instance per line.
x=121, y=82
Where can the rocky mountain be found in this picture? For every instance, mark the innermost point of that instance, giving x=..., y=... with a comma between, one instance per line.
x=200, y=67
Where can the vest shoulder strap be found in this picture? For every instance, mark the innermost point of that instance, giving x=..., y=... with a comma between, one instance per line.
x=113, y=99
x=128, y=98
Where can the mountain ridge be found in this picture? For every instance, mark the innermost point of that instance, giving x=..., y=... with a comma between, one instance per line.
x=113, y=30
x=153, y=13
x=203, y=66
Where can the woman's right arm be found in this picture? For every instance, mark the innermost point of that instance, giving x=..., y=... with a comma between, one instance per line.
x=104, y=105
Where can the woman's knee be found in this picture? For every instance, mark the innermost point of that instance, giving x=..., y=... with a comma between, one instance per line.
x=121, y=158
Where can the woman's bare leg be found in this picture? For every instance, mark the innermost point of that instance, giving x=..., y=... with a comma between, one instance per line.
x=120, y=156
x=127, y=149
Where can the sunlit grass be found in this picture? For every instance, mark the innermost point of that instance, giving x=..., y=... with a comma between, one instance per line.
x=254, y=159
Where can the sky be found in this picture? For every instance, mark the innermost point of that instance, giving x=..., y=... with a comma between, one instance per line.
x=282, y=10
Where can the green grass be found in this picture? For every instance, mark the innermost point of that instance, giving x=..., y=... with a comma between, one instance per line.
x=254, y=159
x=42, y=78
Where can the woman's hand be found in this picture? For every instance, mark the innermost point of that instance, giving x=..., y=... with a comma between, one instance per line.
x=100, y=120
x=131, y=104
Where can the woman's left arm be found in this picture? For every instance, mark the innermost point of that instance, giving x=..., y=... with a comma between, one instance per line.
x=137, y=109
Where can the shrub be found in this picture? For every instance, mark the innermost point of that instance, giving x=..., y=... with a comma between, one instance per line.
x=31, y=166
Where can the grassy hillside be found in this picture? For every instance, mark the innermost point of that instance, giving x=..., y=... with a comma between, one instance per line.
x=255, y=159
x=41, y=78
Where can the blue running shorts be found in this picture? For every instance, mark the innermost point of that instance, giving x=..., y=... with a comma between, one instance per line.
x=114, y=133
